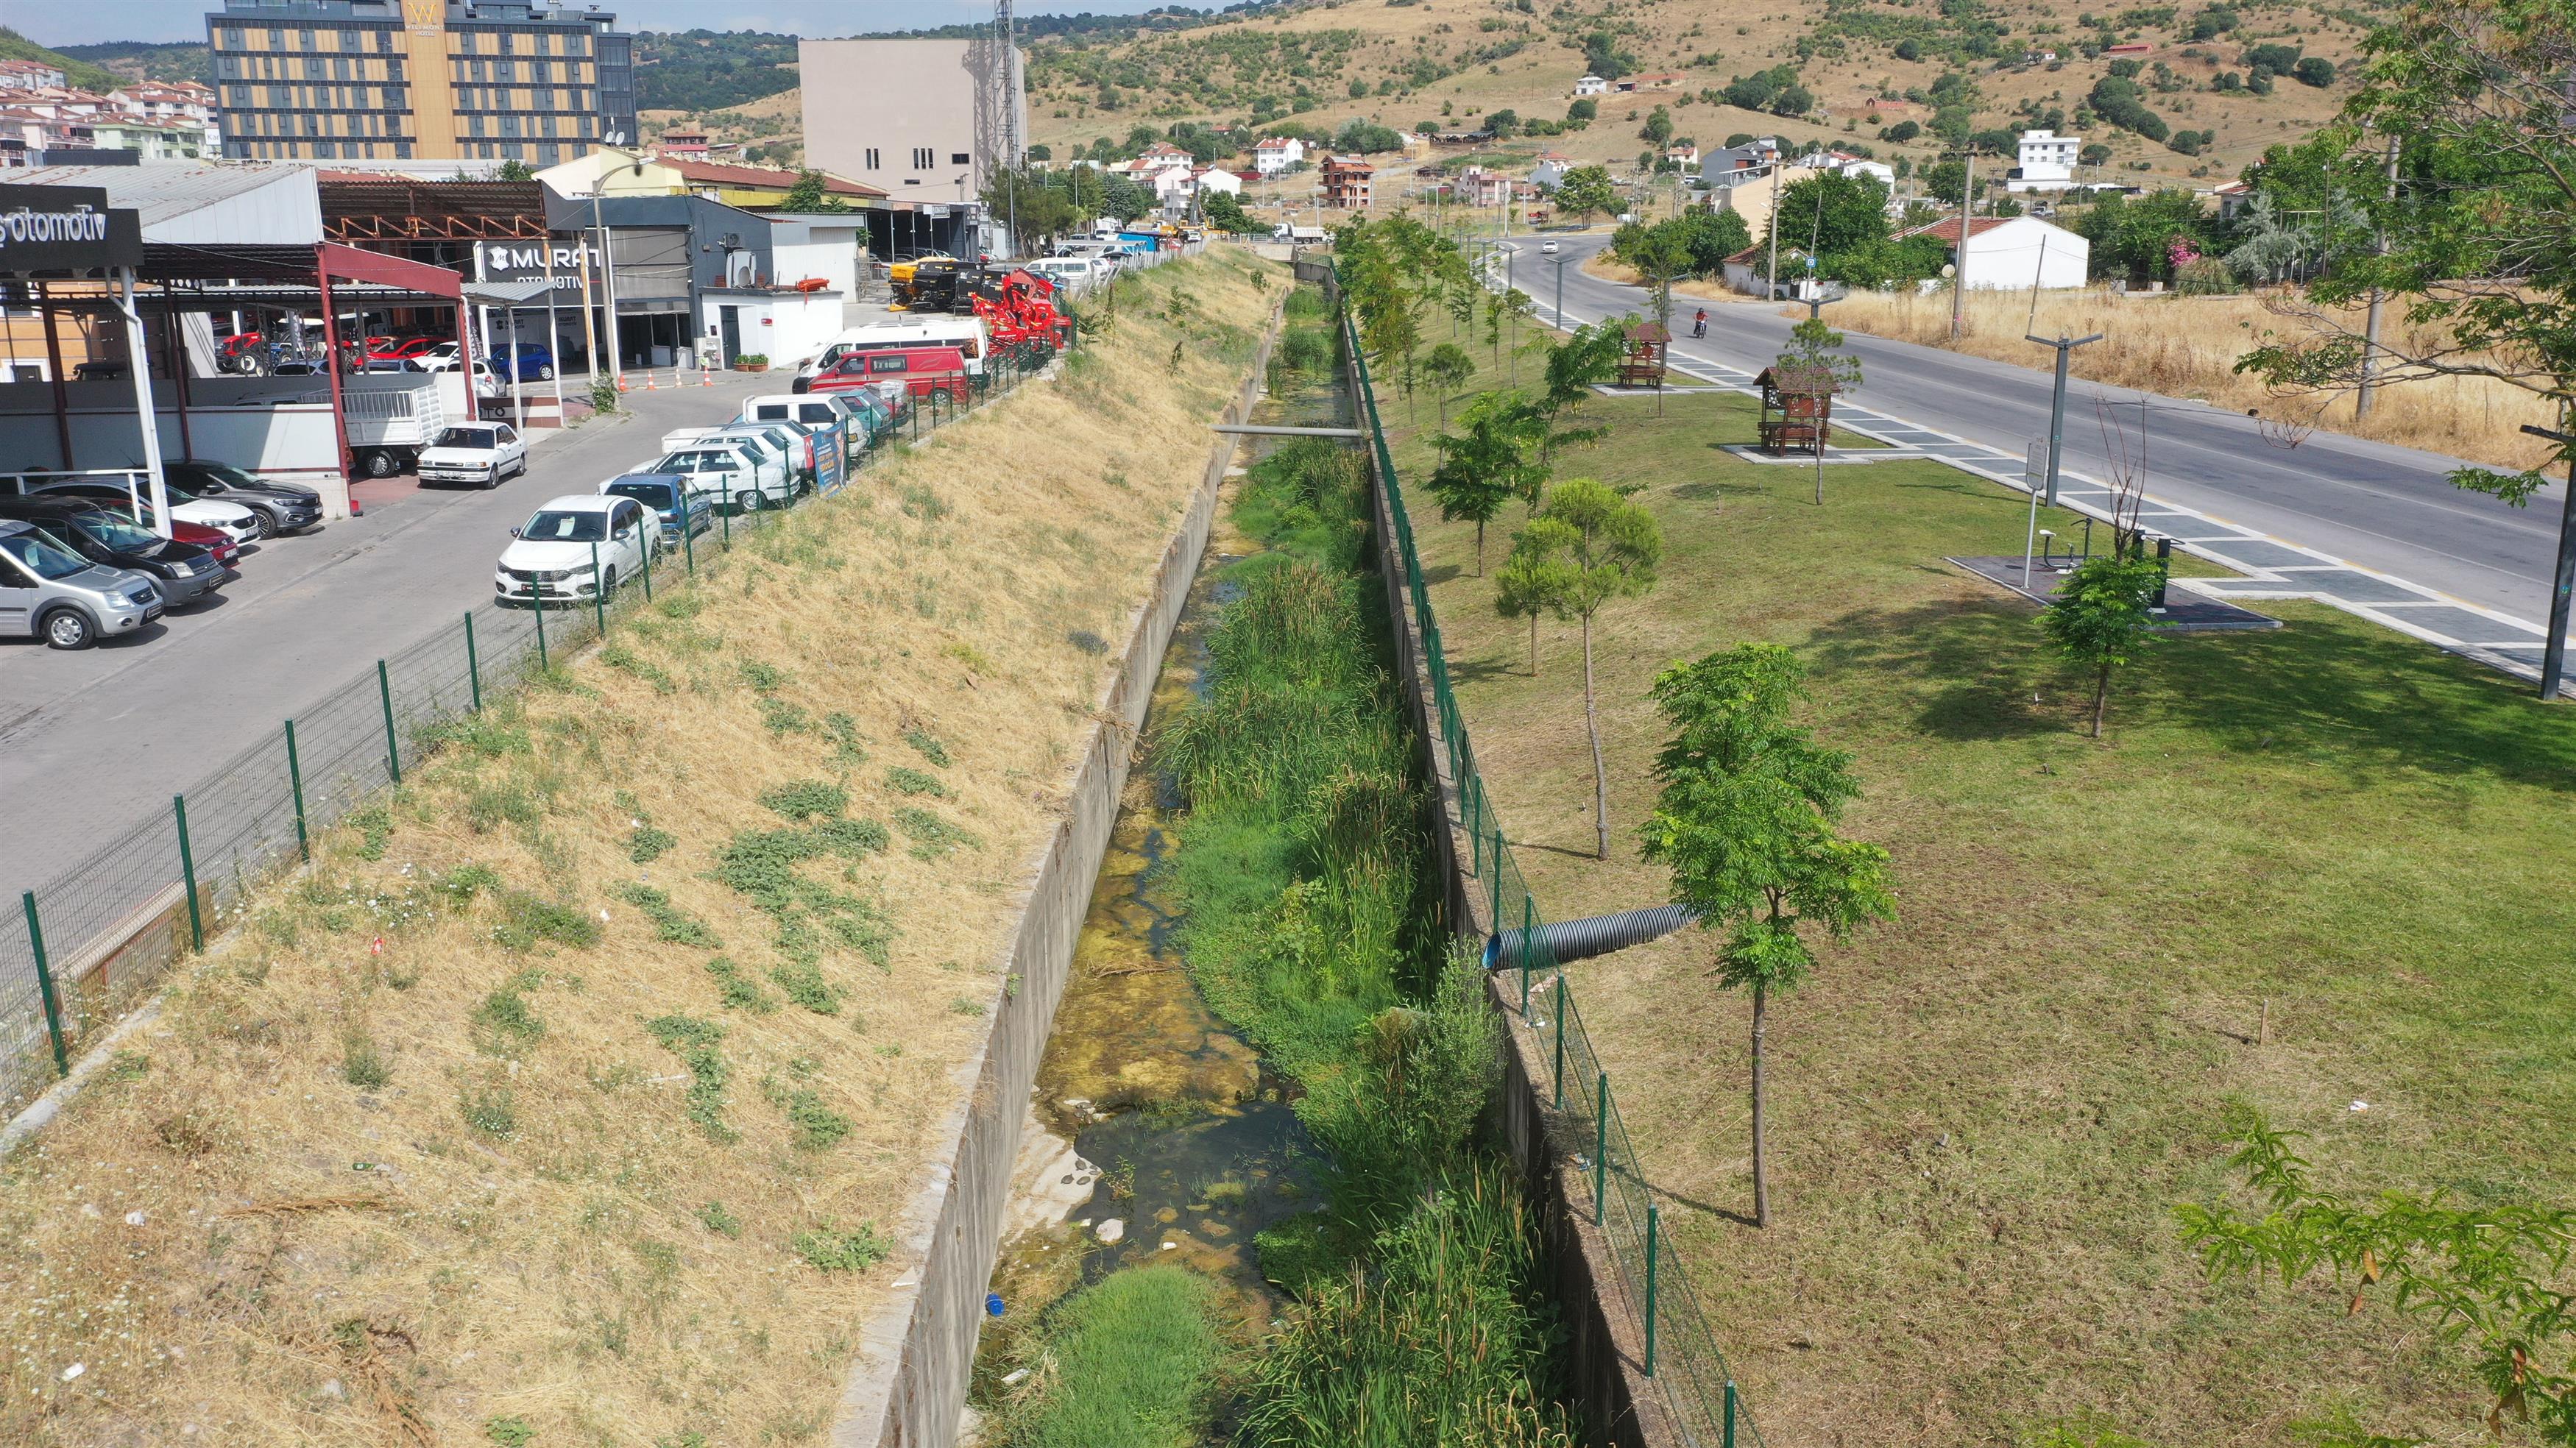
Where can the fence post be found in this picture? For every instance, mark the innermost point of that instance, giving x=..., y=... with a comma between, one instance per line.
x=726, y=512
x=598, y=591
x=1601, y=1157
x=689, y=539
x=188, y=873
x=649, y=535
x=537, y=600
x=45, y=985
x=473, y=665
x=393, y=750
x=1560, y=1041
x=1730, y=1413
x=1653, y=1224
x=1496, y=913
x=295, y=781
x=1529, y=913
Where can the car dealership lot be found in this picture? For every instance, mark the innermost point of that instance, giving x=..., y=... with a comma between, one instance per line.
x=92, y=741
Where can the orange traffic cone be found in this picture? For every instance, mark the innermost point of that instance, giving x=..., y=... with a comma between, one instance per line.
x=621, y=382
x=649, y=384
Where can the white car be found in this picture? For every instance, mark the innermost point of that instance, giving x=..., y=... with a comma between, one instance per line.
x=554, y=554
x=234, y=521
x=442, y=358
x=1547, y=248
x=726, y=475
x=481, y=453
x=791, y=441
x=774, y=465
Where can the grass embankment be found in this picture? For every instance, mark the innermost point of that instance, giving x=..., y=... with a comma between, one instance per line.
x=1415, y=1316
x=1131, y=1362
x=1983, y=1113
x=582, y=1087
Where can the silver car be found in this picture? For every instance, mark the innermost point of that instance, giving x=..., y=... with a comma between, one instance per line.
x=50, y=593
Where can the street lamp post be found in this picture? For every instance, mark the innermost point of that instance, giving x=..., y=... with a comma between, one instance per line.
x=1560, y=291
x=2057, y=402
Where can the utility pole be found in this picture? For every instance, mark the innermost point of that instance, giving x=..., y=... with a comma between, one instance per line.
x=2370, y=333
x=1771, y=277
x=1560, y=291
x=1959, y=270
x=2553, y=654
x=1008, y=24
x=2057, y=405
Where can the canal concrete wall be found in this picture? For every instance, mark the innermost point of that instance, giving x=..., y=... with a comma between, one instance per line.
x=1603, y=1346
x=908, y=1386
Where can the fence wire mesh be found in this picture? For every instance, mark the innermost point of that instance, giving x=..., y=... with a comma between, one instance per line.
x=106, y=929
x=1687, y=1371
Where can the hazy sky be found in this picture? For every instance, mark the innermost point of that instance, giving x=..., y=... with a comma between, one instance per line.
x=69, y=24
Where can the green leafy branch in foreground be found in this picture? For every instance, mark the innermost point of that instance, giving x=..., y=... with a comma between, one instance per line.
x=2487, y=1276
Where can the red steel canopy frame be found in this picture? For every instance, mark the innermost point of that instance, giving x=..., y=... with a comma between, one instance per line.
x=349, y=264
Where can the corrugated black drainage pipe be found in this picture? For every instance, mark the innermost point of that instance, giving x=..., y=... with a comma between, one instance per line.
x=1572, y=940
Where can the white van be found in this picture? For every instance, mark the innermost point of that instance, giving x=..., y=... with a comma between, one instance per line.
x=1075, y=274
x=966, y=334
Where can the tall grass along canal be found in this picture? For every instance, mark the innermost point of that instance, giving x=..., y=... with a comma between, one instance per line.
x=1265, y=1210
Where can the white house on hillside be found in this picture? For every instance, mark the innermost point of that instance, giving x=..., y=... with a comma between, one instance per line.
x=1550, y=168
x=2012, y=253
x=2047, y=162
x=1276, y=154
x=1591, y=85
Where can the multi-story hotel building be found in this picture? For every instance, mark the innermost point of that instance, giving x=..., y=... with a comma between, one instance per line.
x=399, y=80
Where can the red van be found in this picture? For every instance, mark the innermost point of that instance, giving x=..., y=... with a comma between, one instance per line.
x=924, y=371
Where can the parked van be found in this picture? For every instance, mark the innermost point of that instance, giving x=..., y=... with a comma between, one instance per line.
x=857, y=421
x=967, y=334
x=923, y=371
x=1073, y=273
x=51, y=593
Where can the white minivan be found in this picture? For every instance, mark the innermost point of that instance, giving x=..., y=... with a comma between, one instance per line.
x=966, y=334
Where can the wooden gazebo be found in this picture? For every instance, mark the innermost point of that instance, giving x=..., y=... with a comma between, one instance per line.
x=1644, y=364
x=1797, y=408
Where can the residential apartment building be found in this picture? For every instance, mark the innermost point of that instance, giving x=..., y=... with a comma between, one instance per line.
x=1347, y=183
x=2047, y=162
x=928, y=120
x=1276, y=155
x=494, y=80
x=24, y=75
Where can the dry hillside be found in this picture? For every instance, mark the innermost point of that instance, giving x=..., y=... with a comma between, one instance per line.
x=579, y=1093
x=1452, y=62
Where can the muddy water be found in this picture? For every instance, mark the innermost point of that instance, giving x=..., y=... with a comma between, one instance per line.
x=1166, y=1138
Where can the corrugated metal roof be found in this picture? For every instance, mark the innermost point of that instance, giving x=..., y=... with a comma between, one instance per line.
x=203, y=204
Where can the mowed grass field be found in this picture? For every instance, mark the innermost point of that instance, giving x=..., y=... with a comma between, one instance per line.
x=1984, y=1112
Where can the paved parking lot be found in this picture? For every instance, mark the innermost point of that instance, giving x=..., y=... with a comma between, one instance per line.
x=90, y=742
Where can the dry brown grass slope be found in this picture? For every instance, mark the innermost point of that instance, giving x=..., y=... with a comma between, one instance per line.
x=402, y=1161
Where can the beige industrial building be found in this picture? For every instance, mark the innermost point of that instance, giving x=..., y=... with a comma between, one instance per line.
x=930, y=121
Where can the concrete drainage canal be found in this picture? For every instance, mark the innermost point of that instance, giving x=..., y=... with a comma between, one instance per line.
x=1257, y=1203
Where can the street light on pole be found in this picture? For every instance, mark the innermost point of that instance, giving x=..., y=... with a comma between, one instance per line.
x=1560, y=291
x=2057, y=402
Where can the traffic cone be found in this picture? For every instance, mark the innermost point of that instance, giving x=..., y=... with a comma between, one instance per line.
x=621, y=383
x=649, y=384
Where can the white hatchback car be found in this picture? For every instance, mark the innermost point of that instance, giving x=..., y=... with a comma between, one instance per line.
x=481, y=453
x=727, y=474
x=575, y=548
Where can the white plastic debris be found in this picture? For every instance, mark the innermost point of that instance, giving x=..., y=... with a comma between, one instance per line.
x=1110, y=1230
x=134, y=1219
x=1013, y=1378
x=75, y=1370
x=2360, y=1105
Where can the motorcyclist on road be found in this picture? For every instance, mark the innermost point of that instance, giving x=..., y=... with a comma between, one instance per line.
x=1699, y=323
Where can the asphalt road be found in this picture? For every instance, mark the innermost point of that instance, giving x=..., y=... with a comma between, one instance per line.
x=91, y=742
x=2382, y=507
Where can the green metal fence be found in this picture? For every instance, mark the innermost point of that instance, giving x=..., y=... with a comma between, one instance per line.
x=1678, y=1344
x=66, y=969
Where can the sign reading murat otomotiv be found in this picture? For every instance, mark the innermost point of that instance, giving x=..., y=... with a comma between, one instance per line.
x=65, y=228
x=526, y=261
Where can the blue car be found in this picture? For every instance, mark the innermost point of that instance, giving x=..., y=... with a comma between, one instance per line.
x=668, y=496
x=526, y=362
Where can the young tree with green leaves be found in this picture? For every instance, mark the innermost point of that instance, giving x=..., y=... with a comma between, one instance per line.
x=1586, y=191
x=1518, y=309
x=1446, y=369
x=2102, y=616
x=1588, y=357
x=1493, y=459
x=1662, y=255
x=2492, y=1276
x=1588, y=546
x=1745, y=824
x=1811, y=360
x=808, y=195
